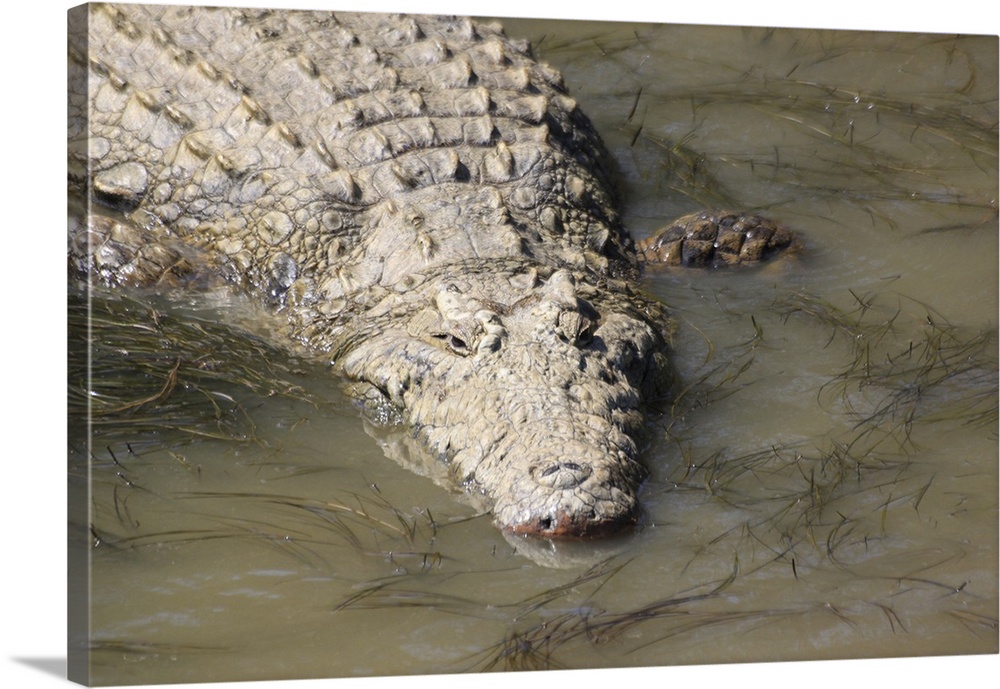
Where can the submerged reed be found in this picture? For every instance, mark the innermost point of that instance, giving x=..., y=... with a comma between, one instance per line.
x=137, y=369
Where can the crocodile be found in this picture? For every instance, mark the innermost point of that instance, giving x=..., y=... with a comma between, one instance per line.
x=423, y=204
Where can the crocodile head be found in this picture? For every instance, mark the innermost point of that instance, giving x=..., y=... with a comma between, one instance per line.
x=529, y=385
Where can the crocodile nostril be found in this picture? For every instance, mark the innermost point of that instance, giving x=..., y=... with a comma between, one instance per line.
x=562, y=475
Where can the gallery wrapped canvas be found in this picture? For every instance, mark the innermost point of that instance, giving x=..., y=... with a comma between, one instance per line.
x=411, y=344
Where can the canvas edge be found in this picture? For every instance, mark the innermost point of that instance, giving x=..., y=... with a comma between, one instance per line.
x=78, y=428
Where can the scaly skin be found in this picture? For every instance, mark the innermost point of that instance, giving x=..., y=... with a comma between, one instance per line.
x=423, y=202
x=715, y=239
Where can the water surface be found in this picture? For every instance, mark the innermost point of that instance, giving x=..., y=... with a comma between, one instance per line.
x=824, y=485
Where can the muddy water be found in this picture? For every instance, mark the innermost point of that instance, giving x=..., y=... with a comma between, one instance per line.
x=824, y=485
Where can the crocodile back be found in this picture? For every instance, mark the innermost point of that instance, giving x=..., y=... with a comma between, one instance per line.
x=319, y=154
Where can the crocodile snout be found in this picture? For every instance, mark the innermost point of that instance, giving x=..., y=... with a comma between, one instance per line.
x=568, y=499
x=562, y=475
x=572, y=524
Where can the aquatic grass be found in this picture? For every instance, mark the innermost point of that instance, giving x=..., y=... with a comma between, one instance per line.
x=977, y=623
x=834, y=520
x=796, y=495
x=931, y=370
x=558, y=634
x=829, y=500
x=689, y=171
x=304, y=528
x=160, y=381
x=877, y=148
x=144, y=649
x=610, y=45
x=823, y=499
x=536, y=646
x=857, y=132
x=714, y=381
x=710, y=386
x=854, y=130
x=544, y=625
x=153, y=373
x=359, y=509
x=385, y=593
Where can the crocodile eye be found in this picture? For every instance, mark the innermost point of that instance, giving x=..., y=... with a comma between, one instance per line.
x=458, y=345
x=455, y=344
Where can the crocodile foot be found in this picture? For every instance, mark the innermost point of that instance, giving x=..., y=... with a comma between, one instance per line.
x=713, y=239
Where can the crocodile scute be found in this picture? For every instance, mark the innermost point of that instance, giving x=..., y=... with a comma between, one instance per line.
x=424, y=204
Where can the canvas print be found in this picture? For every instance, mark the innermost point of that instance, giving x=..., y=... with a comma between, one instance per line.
x=407, y=344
